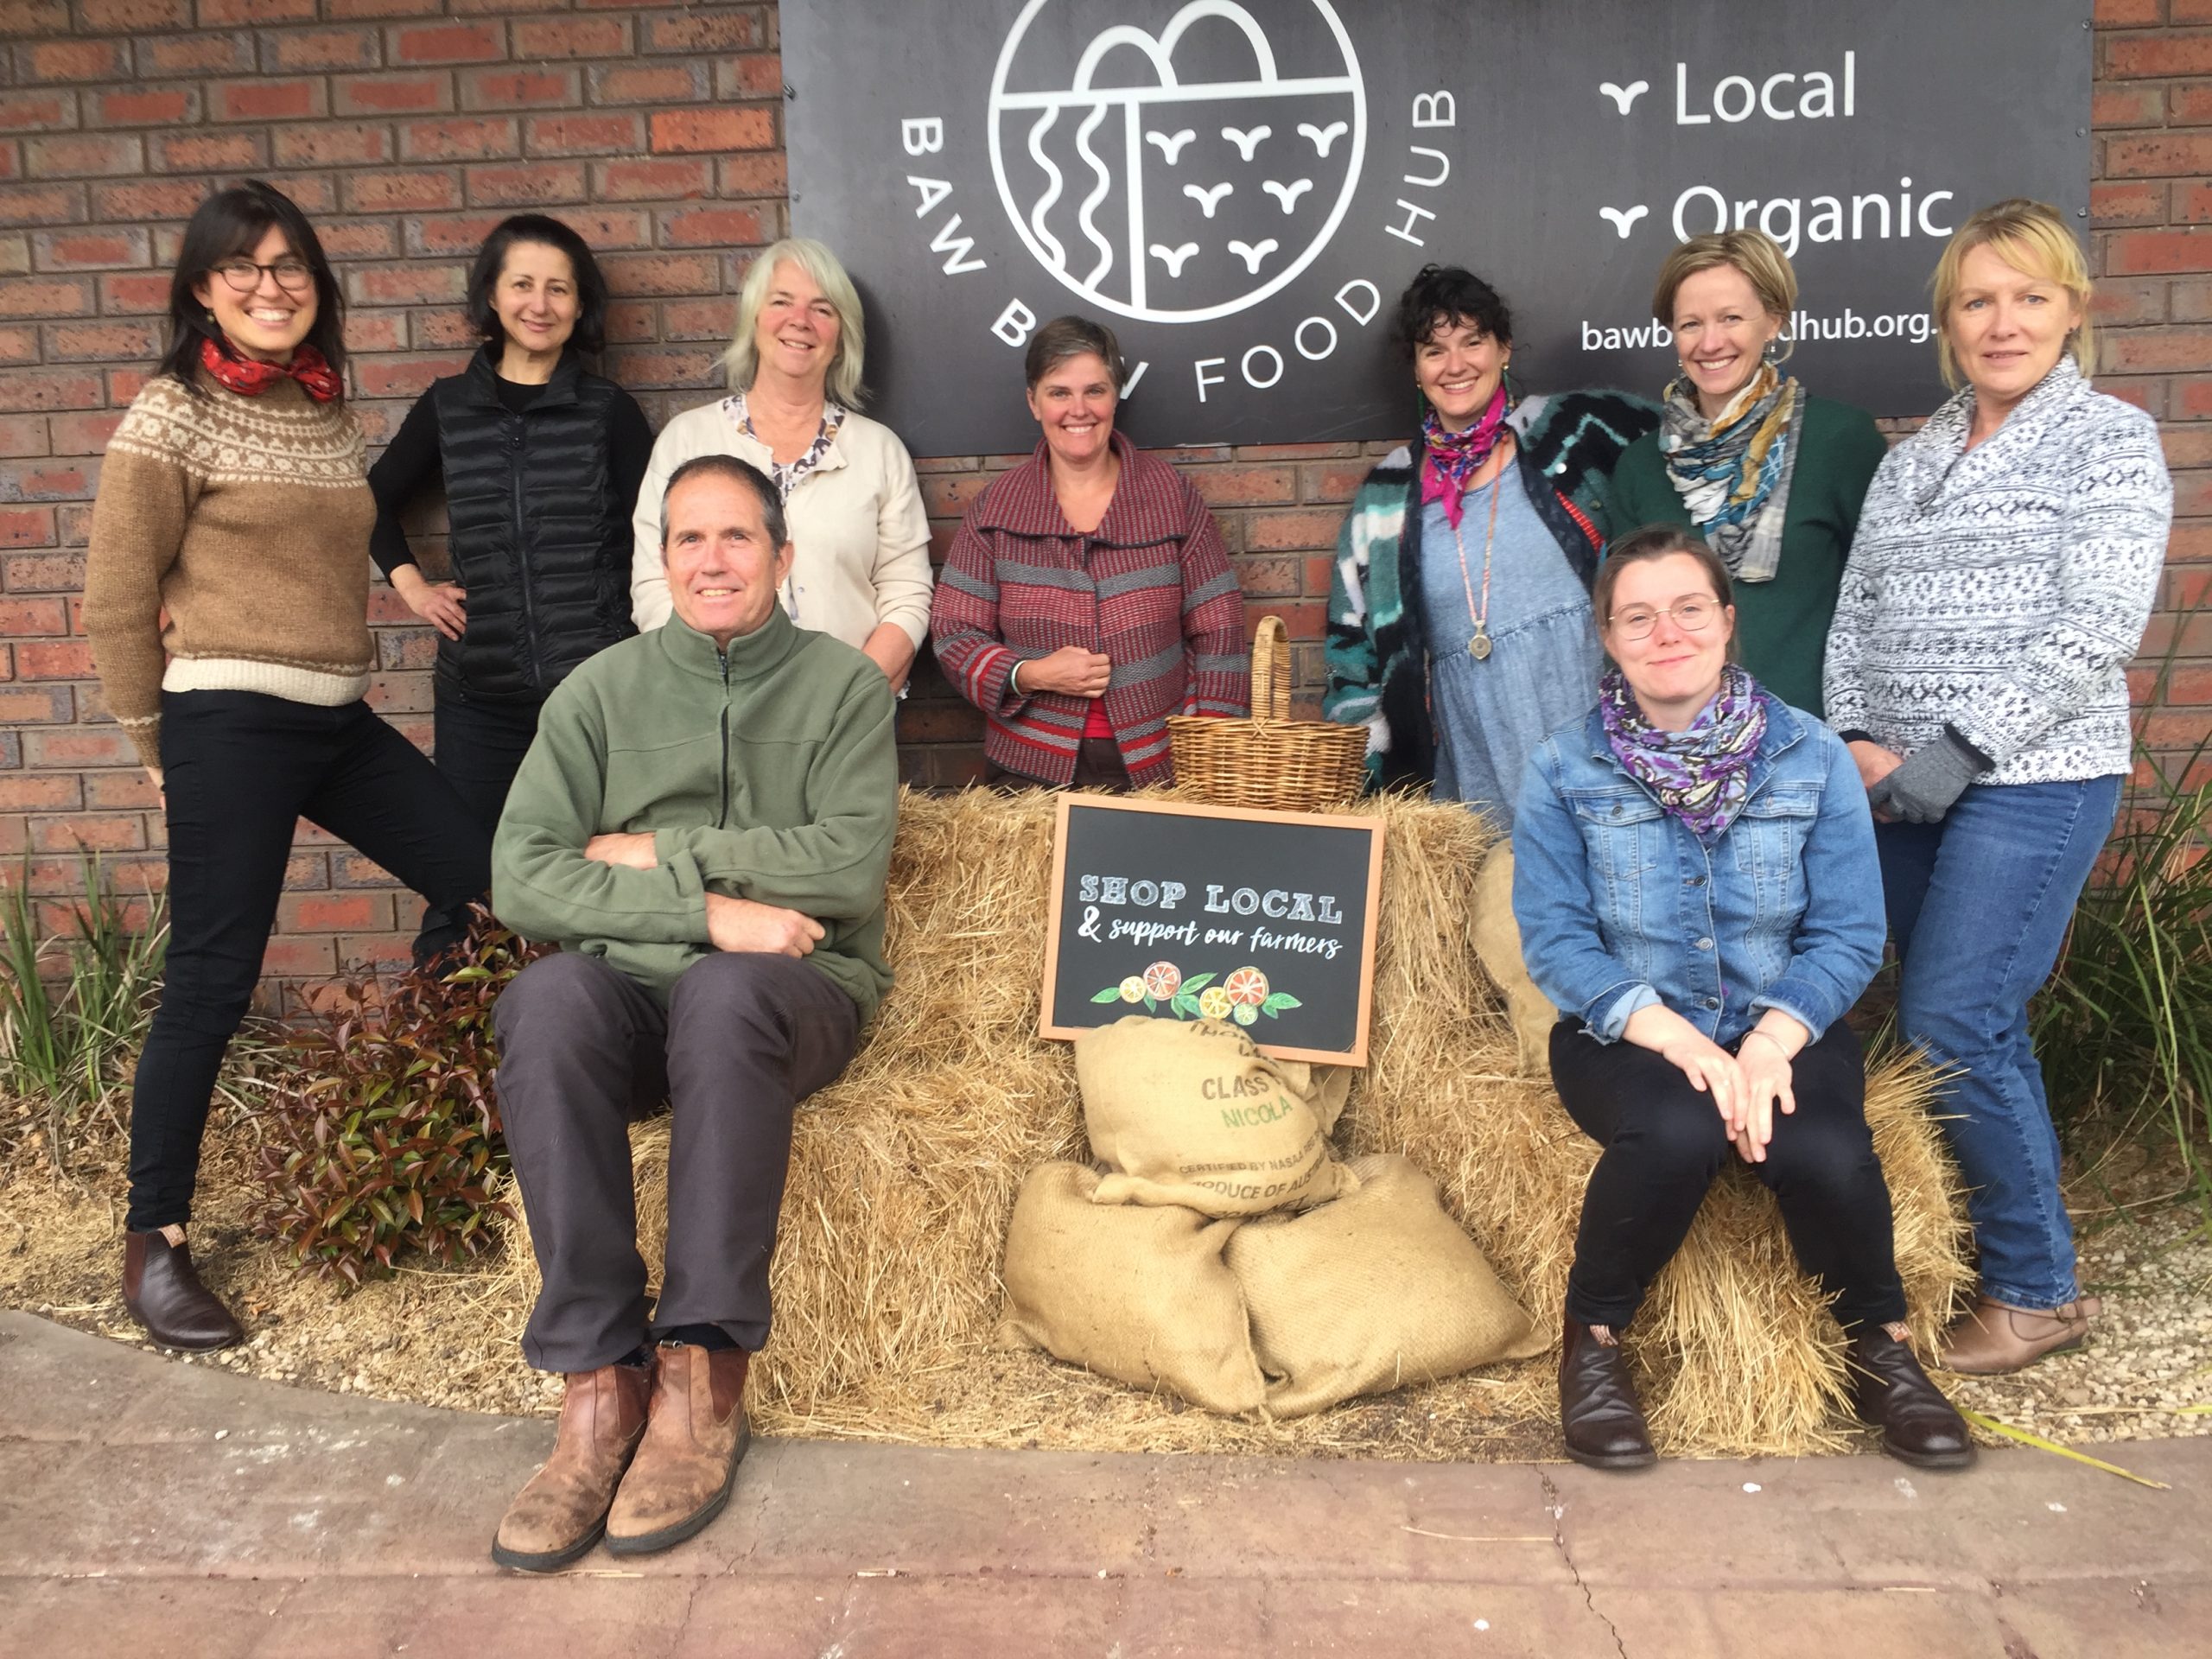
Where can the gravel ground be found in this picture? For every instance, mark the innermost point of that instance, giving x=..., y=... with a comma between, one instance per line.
x=2146, y=1372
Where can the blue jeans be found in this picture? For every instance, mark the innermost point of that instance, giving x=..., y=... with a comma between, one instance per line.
x=1978, y=905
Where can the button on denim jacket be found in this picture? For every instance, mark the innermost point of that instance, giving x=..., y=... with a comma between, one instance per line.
x=1621, y=905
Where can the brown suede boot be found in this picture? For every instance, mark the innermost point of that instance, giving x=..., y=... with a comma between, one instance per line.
x=688, y=1462
x=562, y=1511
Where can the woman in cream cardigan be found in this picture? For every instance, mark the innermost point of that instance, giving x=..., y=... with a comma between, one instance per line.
x=862, y=573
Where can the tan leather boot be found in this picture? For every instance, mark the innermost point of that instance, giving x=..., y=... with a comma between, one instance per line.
x=562, y=1511
x=696, y=1436
x=1992, y=1337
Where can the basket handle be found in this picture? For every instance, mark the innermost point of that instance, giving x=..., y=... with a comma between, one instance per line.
x=1271, y=670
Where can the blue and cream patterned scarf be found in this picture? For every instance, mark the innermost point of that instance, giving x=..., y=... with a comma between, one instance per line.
x=1702, y=774
x=1733, y=474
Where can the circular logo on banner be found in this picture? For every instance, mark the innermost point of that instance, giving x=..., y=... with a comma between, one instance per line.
x=1179, y=176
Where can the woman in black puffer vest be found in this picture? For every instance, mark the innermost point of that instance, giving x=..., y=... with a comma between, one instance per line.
x=540, y=461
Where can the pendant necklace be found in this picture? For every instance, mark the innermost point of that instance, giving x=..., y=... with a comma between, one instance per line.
x=1479, y=646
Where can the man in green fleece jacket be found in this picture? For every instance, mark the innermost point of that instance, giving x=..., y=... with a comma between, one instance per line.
x=704, y=823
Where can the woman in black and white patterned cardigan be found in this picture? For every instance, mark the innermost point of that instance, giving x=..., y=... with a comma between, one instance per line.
x=2006, y=562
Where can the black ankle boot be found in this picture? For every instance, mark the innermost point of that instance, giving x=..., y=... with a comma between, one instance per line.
x=1598, y=1415
x=163, y=1294
x=1891, y=1393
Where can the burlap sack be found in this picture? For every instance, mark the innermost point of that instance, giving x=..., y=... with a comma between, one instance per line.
x=1498, y=946
x=1193, y=1114
x=1324, y=1088
x=1377, y=1289
x=1132, y=1292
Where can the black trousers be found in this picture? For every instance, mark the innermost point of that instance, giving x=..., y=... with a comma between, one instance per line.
x=478, y=746
x=1099, y=768
x=1664, y=1142
x=583, y=1050
x=239, y=770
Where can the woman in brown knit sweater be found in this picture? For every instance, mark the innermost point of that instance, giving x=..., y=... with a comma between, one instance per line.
x=226, y=598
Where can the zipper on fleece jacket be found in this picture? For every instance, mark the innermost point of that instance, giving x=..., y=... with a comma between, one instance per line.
x=722, y=810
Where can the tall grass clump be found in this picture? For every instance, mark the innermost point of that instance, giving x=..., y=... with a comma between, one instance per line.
x=2124, y=1029
x=74, y=1003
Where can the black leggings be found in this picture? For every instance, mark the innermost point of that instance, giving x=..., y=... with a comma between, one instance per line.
x=478, y=747
x=1664, y=1142
x=238, y=771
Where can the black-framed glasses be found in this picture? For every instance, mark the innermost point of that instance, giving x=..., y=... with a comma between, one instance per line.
x=1691, y=616
x=243, y=275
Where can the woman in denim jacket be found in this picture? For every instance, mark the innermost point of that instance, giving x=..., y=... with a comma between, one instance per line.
x=1696, y=885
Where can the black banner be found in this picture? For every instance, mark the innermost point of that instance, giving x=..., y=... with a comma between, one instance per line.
x=1242, y=187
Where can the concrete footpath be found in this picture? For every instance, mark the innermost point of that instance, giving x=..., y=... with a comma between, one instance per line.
x=150, y=1509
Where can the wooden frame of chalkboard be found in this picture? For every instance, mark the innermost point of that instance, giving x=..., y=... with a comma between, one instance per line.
x=1216, y=924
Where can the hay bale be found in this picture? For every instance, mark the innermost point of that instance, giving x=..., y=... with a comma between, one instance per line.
x=904, y=1174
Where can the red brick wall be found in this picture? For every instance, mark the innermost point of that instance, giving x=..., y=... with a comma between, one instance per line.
x=408, y=127
x=2151, y=200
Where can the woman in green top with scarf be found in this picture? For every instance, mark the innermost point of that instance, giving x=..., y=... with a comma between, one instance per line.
x=1769, y=476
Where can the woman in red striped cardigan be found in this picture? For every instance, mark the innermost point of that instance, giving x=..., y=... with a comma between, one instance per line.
x=1087, y=597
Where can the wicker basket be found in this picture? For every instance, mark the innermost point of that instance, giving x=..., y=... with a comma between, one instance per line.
x=1269, y=761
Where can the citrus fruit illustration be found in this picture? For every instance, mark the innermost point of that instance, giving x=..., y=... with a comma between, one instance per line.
x=1244, y=1014
x=1162, y=978
x=1247, y=987
x=1213, y=1002
x=1133, y=990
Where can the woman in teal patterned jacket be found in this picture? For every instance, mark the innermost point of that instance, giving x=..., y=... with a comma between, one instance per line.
x=1459, y=627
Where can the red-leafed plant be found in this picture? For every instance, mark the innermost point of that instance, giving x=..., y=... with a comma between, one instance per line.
x=383, y=1136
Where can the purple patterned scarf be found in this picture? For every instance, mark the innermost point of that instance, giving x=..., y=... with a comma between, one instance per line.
x=1701, y=773
x=1449, y=458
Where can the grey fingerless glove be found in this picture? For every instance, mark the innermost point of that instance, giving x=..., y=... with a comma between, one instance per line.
x=1932, y=777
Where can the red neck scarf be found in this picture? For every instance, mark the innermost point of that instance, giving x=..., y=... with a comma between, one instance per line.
x=1449, y=458
x=249, y=376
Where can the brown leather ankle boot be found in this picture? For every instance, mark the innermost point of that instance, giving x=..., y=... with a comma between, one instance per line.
x=562, y=1511
x=163, y=1292
x=695, y=1439
x=1598, y=1414
x=1890, y=1391
x=1992, y=1337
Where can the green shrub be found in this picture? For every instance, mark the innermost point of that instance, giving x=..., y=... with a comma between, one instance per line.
x=2124, y=1029
x=382, y=1133
x=73, y=1005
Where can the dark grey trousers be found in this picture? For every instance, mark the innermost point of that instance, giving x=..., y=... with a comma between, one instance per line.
x=584, y=1050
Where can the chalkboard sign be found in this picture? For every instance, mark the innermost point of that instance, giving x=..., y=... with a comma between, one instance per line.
x=1263, y=919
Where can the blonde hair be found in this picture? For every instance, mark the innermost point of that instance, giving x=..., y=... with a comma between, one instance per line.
x=2032, y=239
x=1751, y=251
x=742, y=360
